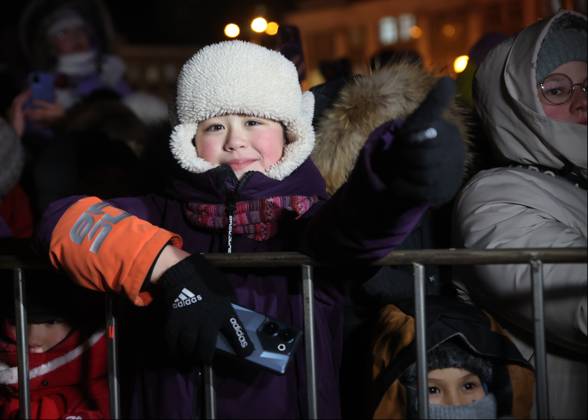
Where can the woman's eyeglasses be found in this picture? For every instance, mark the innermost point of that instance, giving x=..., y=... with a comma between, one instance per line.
x=557, y=89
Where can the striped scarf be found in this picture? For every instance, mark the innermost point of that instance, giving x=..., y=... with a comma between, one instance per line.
x=257, y=219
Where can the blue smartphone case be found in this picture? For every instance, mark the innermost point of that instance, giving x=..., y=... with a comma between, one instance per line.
x=42, y=87
x=274, y=341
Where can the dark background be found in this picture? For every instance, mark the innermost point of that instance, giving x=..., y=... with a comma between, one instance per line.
x=186, y=21
x=180, y=22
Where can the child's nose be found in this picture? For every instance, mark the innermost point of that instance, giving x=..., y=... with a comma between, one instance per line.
x=453, y=398
x=235, y=140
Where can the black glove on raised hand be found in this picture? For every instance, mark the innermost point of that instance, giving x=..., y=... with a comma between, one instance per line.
x=426, y=160
x=197, y=300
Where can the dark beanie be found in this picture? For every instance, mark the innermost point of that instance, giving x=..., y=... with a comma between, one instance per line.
x=565, y=42
x=449, y=354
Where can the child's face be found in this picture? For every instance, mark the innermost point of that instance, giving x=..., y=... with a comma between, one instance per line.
x=71, y=40
x=242, y=142
x=575, y=109
x=41, y=337
x=453, y=386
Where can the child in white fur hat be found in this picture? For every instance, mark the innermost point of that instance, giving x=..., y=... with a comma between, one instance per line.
x=244, y=183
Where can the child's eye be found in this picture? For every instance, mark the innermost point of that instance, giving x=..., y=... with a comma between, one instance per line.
x=434, y=390
x=214, y=127
x=470, y=386
x=252, y=123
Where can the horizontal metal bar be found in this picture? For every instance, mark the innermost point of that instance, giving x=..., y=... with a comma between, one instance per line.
x=426, y=256
x=399, y=257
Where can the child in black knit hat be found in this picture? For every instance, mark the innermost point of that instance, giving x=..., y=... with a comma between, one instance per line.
x=474, y=371
x=458, y=383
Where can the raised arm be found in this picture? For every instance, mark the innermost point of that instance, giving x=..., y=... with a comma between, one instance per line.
x=402, y=169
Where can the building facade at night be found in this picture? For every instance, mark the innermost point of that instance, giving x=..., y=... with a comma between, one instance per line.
x=438, y=30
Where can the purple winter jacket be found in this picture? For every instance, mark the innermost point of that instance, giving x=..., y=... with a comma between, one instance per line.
x=362, y=221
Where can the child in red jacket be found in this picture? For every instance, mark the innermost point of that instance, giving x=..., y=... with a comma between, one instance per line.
x=67, y=352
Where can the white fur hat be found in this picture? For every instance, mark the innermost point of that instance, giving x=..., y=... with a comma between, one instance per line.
x=237, y=77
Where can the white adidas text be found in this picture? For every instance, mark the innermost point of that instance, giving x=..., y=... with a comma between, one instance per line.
x=240, y=334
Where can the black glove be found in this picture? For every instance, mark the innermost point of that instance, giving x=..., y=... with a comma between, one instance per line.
x=426, y=160
x=197, y=300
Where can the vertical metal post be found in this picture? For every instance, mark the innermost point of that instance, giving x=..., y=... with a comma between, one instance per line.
x=22, y=344
x=308, y=306
x=112, y=337
x=209, y=396
x=421, y=340
x=542, y=394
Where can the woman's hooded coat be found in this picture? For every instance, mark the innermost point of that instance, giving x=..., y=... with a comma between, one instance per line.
x=537, y=199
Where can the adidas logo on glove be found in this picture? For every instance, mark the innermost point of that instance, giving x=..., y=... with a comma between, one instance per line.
x=185, y=298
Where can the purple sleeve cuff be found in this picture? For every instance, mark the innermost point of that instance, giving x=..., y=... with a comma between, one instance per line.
x=49, y=219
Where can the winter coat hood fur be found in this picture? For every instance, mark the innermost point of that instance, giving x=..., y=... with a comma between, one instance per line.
x=362, y=104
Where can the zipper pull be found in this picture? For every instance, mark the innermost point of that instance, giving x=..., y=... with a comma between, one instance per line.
x=231, y=205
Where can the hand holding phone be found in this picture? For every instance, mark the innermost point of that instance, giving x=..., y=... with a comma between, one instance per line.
x=274, y=342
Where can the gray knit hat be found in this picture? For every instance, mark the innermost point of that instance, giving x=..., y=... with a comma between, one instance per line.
x=449, y=354
x=11, y=158
x=565, y=42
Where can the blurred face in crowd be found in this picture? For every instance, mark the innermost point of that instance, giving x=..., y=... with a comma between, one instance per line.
x=453, y=386
x=243, y=142
x=71, y=40
x=563, y=93
x=41, y=337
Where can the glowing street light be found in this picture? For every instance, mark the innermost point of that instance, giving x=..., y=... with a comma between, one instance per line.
x=232, y=30
x=259, y=24
x=415, y=32
x=272, y=28
x=448, y=30
x=460, y=63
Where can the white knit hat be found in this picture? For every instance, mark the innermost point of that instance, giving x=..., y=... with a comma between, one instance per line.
x=237, y=77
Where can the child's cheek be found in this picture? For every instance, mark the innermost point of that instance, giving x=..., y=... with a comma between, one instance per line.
x=272, y=145
x=208, y=151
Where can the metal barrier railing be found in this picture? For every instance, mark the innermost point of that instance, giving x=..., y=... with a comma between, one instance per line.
x=535, y=257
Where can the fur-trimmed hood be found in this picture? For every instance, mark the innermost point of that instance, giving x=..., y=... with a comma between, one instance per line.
x=362, y=104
